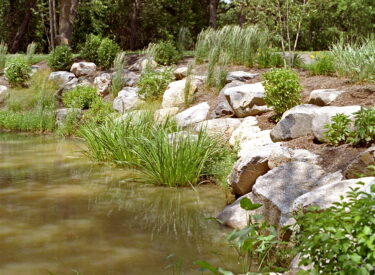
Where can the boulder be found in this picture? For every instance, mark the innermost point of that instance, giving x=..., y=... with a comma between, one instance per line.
x=223, y=107
x=283, y=155
x=162, y=115
x=296, y=122
x=249, y=167
x=221, y=127
x=193, y=114
x=324, y=196
x=359, y=167
x=278, y=189
x=180, y=73
x=4, y=93
x=240, y=76
x=83, y=68
x=174, y=96
x=61, y=77
x=243, y=98
x=127, y=99
x=130, y=78
x=247, y=129
x=62, y=114
x=257, y=140
x=323, y=116
x=133, y=115
x=103, y=83
x=323, y=97
x=142, y=63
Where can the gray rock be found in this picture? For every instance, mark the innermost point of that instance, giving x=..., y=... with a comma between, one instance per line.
x=103, y=83
x=127, y=99
x=243, y=98
x=193, y=114
x=134, y=116
x=221, y=127
x=240, y=76
x=62, y=114
x=61, y=77
x=360, y=165
x=323, y=116
x=162, y=115
x=256, y=141
x=130, y=78
x=182, y=135
x=278, y=189
x=284, y=155
x=323, y=97
x=223, y=108
x=296, y=122
x=174, y=96
x=83, y=68
x=180, y=73
x=325, y=195
x=247, y=130
x=4, y=93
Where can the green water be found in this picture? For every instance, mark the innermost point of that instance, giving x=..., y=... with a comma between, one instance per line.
x=61, y=213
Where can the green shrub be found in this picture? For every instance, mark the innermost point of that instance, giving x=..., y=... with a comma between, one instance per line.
x=323, y=65
x=18, y=72
x=99, y=112
x=117, y=80
x=89, y=50
x=107, y=52
x=60, y=58
x=268, y=58
x=80, y=97
x=282, y=90
x=338, y=131
x=34, y=120
x=166, y=53
x=340, y=239
x=364, y=126
x=3, y=55
x=152, y=84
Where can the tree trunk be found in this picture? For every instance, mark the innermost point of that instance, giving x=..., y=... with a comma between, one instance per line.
x=68, y=11
x=213, y=13
x=134, y=25
x=52, y=23
x=22, y=29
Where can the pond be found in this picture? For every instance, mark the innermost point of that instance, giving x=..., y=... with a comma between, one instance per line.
x=60, y=213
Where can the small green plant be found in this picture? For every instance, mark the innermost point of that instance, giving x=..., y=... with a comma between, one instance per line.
x=117, y=79
x=282, y=90
x=268, y=58
x=18, y=72
x=187, y=87
x=80, y=97
x=107, y=52
x=338, y=131
x=323, y=65
x=165, y=53
x=31, y=48
x=98, y=113
x=89, y=50
x=60, y=58
x=70, y=124
x=340, y=239
x=152, y=84
x=364, y=124
x=3, y=55
x=217, y=69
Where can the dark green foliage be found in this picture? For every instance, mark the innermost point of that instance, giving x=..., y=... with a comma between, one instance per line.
x=89, y=50
x=323, y=65
x=283, y=90
x=82, y=97
x=107, y=52
x=338, y=131
x=166, y=53
x=268, y=58
x=364, y=124
x=340, y=239
x=17, y=72
x=34, y=121
x=152, y=84
x=60, y=58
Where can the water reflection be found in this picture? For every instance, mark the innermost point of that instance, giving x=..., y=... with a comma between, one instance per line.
x=59, y=212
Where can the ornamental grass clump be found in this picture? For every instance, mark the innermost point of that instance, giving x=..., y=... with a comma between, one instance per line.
x=3, y=55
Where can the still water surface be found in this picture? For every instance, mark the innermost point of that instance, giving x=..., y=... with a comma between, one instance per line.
x=61, y=213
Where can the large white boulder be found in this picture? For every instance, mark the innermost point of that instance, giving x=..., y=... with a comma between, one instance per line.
x=83, y=68
x=127, y=99
x=221, y=127
x=240, y=76
x=243, y=98
x=62, y=77
x=103, y=83
x=193, y=114
x=257, y=140
x=247, y=129
x=162, y=115
x=323, y=97
x=4, y=93
x=175, y=95
x=296, y=122
x=323, y=116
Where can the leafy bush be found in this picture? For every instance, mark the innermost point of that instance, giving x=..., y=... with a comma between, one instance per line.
x=340, y=239
x=107, y=52
x=268, y=58
x=364, y=125
x=166, y=53
x=60, y=58
x=152, y=84
x=17, y=72
x=80, y=97
x=98, y=112
x=323, y=65
x=282, y=90
x=338, y=131
x=89, y=50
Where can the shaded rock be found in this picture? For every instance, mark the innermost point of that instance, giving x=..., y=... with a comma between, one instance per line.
x=255, y=141
x=174, y=96
x=127, y=99
x=180, y=73
x=103, y=83
x=324, y=196
x=360, y=165
x=162, y=115
x=222, y=127
x=130, y=78
x=131, y=115
x=83, y=68
x=323, y=116
x=223, y=107
x=296, y=122
x=63, y=113
x=283, y=155
x=193, y=114
x=4, y=93
x=240, y=76
x=142, y=64
x=323, y=97
x=247, y=129
x=278, y=189
x=61, y=77
x=243, y=98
